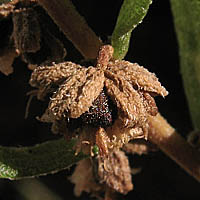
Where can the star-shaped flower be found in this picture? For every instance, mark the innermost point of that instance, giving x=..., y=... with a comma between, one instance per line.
x=129, y=86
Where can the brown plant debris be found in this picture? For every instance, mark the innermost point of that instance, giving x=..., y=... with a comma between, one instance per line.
x=26, y=30
x=114, y=170
x=103, y=175
x=83, y=178
x=24, y=34
x=115, y=97
x=7, y=56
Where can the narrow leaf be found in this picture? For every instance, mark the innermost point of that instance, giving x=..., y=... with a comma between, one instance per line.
x=42, y=159
x=131, y=14
x=187, y=24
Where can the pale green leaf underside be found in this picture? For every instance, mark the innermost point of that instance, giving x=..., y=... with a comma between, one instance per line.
x=49, y=157
x=187, y=24
x=131, y=14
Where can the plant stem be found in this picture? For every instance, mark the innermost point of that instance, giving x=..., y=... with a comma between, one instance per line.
x=171, y=143
x=73, y=26
x=187, y=18
x=42, y=159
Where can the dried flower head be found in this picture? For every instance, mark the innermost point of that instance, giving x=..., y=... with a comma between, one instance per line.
x=24, y=34
x=117, y=92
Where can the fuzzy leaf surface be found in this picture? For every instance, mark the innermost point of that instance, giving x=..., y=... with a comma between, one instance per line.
x=131, y=14
x=187, y=25
x=41, y=159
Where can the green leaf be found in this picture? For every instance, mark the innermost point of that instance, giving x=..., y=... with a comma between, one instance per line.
x=131, y=14
x=187, y=24
x=42, y=159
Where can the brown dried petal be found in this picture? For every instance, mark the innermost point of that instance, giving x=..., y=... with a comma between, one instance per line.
x=107, y=139
x=6, y=60
x=6, y=10
x=129, y=102
x=77, y=93
x=83, y=178
x=55, y=47
x=119, y=135
x=138, y=76
x=149, y=103
x=52, y=50
x=114, y=170
x=102, y=141
x=89, y=92
x=26, y=30
x=46, y=75
x=66, y=94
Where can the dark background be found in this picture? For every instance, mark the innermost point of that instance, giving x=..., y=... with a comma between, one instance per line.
x=154, y=46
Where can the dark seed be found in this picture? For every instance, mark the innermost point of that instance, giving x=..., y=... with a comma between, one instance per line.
x=99, y=113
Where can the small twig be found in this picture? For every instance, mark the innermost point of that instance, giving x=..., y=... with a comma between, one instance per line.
x=73, y=26
x=176, y=147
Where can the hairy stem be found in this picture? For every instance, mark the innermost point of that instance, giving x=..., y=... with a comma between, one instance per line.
x=42, y=159
x=171, y=143
x=73, y=26
x=187, y=18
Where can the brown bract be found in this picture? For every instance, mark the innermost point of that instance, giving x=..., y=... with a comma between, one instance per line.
x=129, y=86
